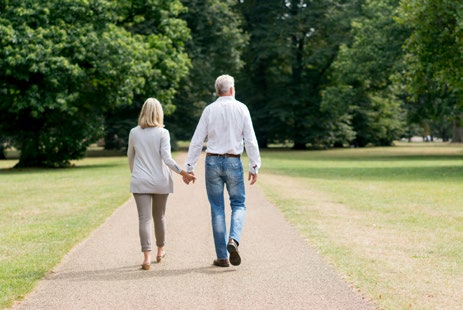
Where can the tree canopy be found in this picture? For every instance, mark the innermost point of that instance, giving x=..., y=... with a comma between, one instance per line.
x=289, y=64
x=64, y=64
x=317, y=74
x=434, y=62
x=217, y=42
x=362, y=77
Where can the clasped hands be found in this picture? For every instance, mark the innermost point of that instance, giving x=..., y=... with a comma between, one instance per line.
x=188, y=177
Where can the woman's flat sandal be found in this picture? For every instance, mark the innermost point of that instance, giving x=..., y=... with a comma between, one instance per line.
x=145, y=266
x=159, y=258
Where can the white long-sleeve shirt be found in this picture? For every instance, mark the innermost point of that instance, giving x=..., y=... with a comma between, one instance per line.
x=150, y=159
x=227, y=125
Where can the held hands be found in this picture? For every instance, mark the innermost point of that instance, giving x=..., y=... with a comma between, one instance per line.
x=188, y=177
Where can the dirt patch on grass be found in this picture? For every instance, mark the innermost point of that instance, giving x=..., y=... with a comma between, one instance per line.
x=397, y=266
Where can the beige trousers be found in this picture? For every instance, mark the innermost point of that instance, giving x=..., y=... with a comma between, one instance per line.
x=151, y=206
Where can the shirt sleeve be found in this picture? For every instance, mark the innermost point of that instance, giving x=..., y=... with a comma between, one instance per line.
x=197, y=142
x=250, y=144
x=166, y=154
x=130, y=151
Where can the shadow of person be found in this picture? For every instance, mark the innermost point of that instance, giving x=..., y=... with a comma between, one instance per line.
x=132, y=272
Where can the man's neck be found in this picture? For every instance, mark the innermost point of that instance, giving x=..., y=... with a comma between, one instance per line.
x=229, y=93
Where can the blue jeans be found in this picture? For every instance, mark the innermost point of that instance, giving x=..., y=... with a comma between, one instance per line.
x=220, y=172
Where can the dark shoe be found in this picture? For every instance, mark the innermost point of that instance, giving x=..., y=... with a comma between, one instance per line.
x=221, y=263
x=232, y=248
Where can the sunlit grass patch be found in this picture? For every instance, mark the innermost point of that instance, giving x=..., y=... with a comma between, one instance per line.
x=45, y=212
x=390, y=219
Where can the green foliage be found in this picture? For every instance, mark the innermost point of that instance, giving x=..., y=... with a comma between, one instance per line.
x=433, y=59
x=64, y=64
x=157, y=24
x=288, y=65
x=258, y=81
x=435, y=45
x=217, y=41
x=366, y=67
x=319, y=74
x=337, y=112
x=314, y=73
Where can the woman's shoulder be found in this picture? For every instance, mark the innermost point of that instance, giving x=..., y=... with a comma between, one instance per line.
x=158, y=131
x=162, y=130
x=134, y=130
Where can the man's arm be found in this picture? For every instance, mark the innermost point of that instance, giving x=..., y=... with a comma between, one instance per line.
x=196, y=143
x=252, y=148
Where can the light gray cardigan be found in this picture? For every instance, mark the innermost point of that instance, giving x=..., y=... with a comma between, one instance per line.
x=149, y=160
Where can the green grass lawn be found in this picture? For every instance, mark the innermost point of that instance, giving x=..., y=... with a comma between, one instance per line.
x=390, y=219
x=45, y=212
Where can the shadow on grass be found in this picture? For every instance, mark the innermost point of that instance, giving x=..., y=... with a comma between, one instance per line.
x=373, y=155
x=19, y=171
x=436, y=173
x=368, y=164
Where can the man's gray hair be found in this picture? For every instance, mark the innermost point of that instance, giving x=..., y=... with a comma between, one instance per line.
x=223, y=84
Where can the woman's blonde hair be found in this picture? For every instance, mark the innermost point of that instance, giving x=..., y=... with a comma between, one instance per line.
x=151, y=114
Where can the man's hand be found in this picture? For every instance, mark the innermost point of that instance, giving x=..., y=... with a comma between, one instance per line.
x=252, y=177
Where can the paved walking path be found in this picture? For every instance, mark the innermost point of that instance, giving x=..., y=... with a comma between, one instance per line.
x=279, y=270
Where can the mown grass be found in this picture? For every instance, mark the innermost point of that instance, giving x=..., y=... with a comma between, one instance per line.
x=390, y=219
x=45, y=212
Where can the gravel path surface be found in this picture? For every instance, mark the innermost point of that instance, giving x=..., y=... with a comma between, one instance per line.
x=278, y=270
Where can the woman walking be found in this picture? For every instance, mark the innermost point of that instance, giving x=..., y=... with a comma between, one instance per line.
x=149, y=155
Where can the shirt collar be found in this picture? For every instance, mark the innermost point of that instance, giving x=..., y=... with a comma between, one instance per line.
x=225, y=98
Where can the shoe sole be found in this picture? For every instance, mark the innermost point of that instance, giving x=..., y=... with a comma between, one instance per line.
x=221, y=263
x=235, y=258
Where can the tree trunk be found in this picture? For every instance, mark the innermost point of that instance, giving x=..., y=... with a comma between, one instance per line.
x=299, y=146
x=2, y=152
x=263, y=143
x=458, y=130
x=457, y=134
x=30, y=153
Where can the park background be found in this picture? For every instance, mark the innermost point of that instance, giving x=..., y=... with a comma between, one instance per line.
x=338, y=78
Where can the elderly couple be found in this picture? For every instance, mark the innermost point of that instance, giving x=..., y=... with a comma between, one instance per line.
x=227, y=125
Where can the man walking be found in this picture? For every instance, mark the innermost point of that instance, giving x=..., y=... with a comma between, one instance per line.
x=227, y=125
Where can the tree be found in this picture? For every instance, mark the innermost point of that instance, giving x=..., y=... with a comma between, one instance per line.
x=3, y=145
x=159, y=25
x=258, y=80
x=64, y=64
x=362, y=75
x=288, y=64
x=217, y=41
x=434, y=64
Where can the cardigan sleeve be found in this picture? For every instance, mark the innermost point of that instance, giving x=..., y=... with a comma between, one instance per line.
x=166, y=153
x=130, y=151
